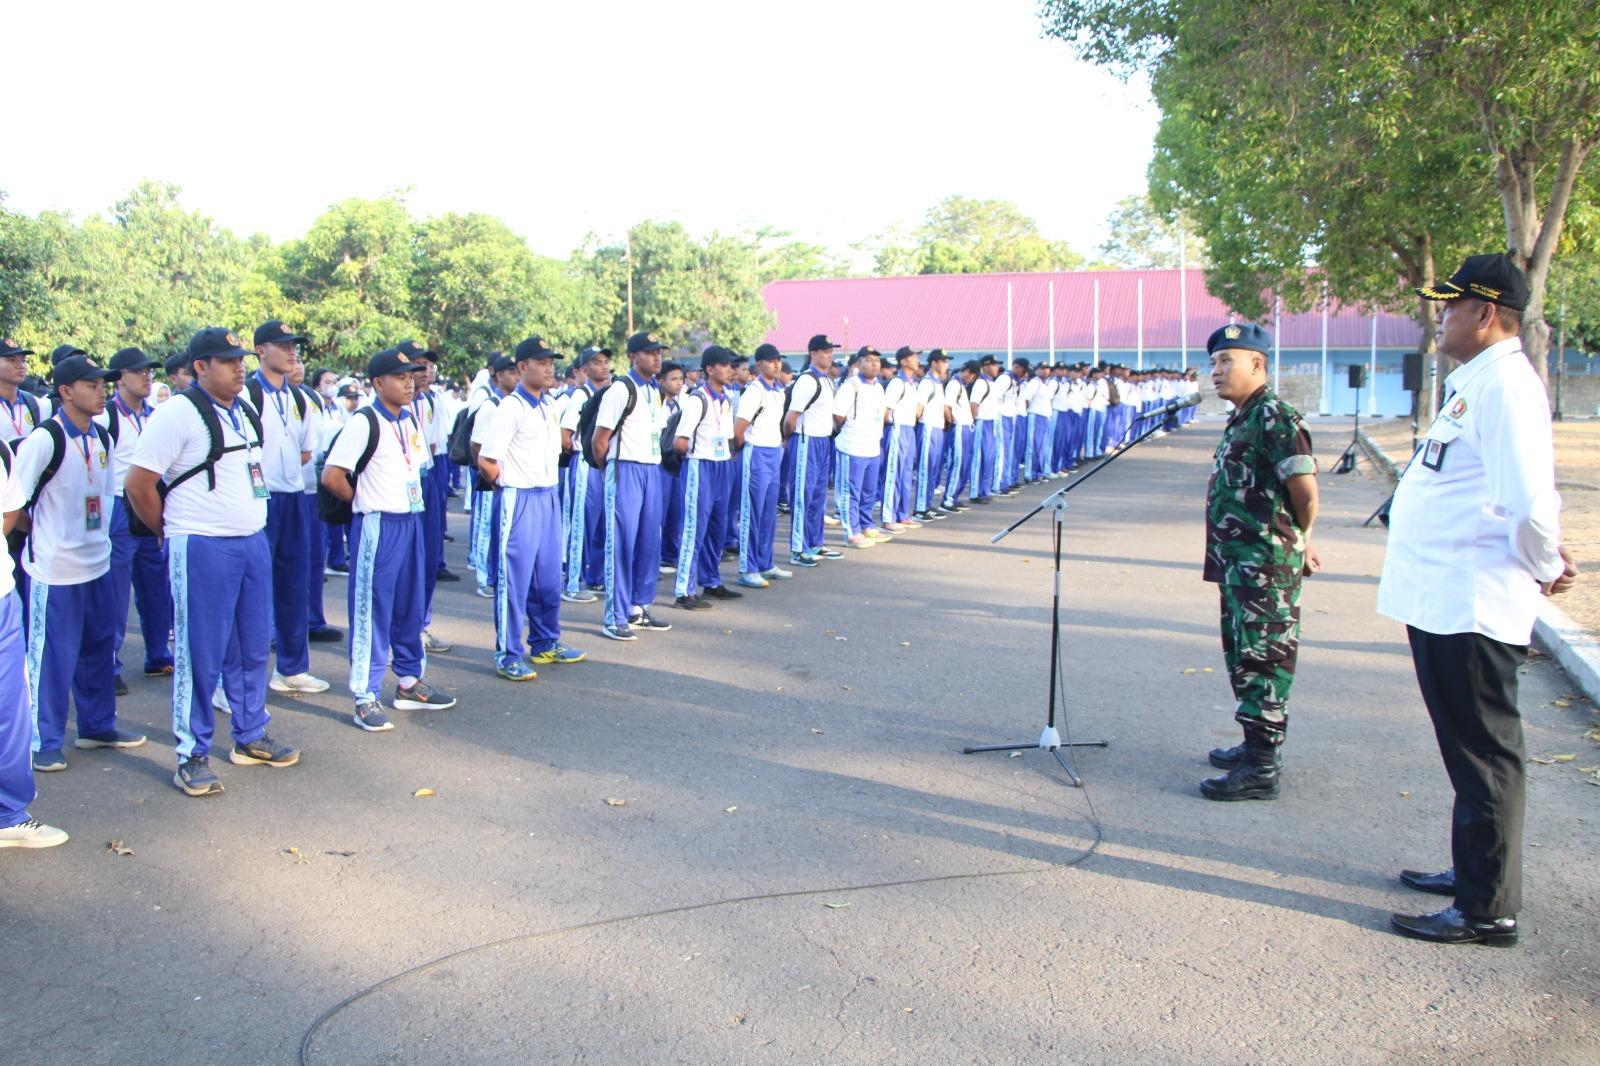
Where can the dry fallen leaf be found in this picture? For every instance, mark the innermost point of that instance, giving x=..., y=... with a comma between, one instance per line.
x=424, y=792
x=841, y=638
x=729, y=810
x=1190, y=670
x=1405, y=795
x=836, y=906
x=1541, y=762
x=1561, y=703
x=116, y=847
x=1015, y=755
x=1562, y=758
x=845, y=687
x=612, y=801
x=1207, y=670
x=817, y=732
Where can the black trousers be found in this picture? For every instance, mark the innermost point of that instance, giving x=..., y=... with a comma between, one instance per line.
x=1469, y=682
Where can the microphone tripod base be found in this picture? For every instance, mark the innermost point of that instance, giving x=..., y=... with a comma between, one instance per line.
x=1049, y=740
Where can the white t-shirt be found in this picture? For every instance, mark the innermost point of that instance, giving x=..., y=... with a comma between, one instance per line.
x=1062, y=400
x=483, y=421
x=813, y=397
x=930, y=394
x=130, y=424
x=71, y=538
x=987, y=393
x=862, y=404
x=11, y=499
x=640, y=438
x=175, y=441
x=284, y=436
x=392, y=480
x=1006, y=386
x=1039, y=400
x=526, y=441
x=762, y=406
x=572, y=409
x=707, y=421
x=900, y=396
x=314, y=421
x=425, y=410
x=1099, y=394
x=955, y=395
x=16, y=419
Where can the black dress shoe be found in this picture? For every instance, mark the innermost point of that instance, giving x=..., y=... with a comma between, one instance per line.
x=1442, y=883
x=1450, y=926
x=324, y=635
x=722, y=592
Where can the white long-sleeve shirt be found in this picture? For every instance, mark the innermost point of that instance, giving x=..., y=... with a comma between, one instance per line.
x=1475, y=523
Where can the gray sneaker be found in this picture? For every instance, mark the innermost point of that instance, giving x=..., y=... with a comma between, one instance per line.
x=194, y=777
x=31, y=834
x=421, y=697
x=263, y=751
x=433, y=644
x=369, y=716
x=116, y=738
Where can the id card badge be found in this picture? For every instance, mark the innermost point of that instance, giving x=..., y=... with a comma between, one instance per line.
x=258, y=482
x=91, y=513
x=655, y=445
x=414, y=494
x=719, y=448
x=1433, y=453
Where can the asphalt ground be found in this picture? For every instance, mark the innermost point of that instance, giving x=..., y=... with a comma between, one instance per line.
x=805, y=740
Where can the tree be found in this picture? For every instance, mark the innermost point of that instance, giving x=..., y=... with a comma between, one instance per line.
x=1143, y=238
x=23, y=253
x=780, y=258
x=1361, y=110
x=960, y=235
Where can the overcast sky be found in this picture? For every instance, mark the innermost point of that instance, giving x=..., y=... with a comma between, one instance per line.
x=831, y=119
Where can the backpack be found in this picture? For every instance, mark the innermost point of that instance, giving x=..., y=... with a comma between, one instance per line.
x=671, y=460
x=460, y=445
x=252, y=385
x=331, y=509
x=591, y=411
x=58, y=449
x=208, y=415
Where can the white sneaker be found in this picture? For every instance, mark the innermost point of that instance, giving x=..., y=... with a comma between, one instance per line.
x=296, y=683
x=829, y=520
x=219, y=701
x=31, y=834
x=777, y=573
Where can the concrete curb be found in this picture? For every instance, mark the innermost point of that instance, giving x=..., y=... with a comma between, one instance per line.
x=1554, y=633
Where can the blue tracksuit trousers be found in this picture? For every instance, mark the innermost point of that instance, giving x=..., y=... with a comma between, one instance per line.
x=899, y=473
x=286, y=539
x=16, y=720
x=855, y=481
x=758, y=507
x=705, y=524
x=385, y=599
x=219, y=585
x=528, y=596
x=633, y=537
x=813, y=469
x=71, y=640
x=139, y=569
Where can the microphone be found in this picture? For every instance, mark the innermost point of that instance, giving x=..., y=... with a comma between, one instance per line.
x=1175, y=406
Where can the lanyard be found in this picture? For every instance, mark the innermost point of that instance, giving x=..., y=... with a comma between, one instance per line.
x=136, y=417
x=17, y=411
x=81, y=441
x=399, y=435
x=232, y=411
x=714, y=408
x=278, y=399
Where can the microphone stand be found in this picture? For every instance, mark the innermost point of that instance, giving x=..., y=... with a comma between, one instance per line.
x=1050, y=739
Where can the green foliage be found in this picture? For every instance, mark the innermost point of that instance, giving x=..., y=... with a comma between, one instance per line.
x=960, y=235
x=1143, y=238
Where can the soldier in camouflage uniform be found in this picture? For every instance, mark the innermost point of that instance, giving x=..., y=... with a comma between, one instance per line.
x=1260, y=506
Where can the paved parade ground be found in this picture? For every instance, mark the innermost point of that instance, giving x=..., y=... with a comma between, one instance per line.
x=804, y=740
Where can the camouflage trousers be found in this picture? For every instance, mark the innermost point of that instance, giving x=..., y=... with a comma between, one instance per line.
x=1260, y=644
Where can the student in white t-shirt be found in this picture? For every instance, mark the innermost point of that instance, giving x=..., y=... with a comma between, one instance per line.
x=758, y=433
x=65, y=469
x=212, y=515
x=859, y=410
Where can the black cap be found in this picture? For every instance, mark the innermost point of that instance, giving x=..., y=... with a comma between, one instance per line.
x=766, y=352
x=716, y=355
x=393, y=361
x=937, y=353
x=175, y=362
x=80, y=368
x=906, y=350
x=9, y=348
x=866, y=350
x=669, y=366
x=970, y=364
x=533, y=348
x=63, y=351
x=502, y=361
x=735, y=359
x=275, y=332
x=416, y=351
x=349, y=392
x=1245, y=335
x=820, y=343
x=592, y=351
x=644, y=342
x=131, y=359
x=1023, y=363
x=988, y=360
x=1493, y=278
x=215, y=342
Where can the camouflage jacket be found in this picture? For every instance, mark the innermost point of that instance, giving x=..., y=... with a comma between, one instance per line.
x=1251, y=535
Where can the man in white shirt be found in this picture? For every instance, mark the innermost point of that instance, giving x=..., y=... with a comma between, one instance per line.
x=206, y=448
x=705, y=440
x=20, y=413
x=1061, y=406
x=287, y=443
x=859, y=410
x=584, y=504
x=897, y=477
x=1099, y=396
x=627, y=432
x=932, y=435
x=1474, y=540
x=483, y=543
x=1014, y=414
x=958, y=399
x=376, y=464
x=18, y=828
x=64, y=469
x=137, y=564
x=758, y=431
x=1038, y=396
x=426, y=411
x=988, y=444
x=810, y=419
x=671, y=379
x=326, y=416
x=522, y=457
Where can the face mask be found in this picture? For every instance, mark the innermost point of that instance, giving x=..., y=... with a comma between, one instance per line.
x=329, y=391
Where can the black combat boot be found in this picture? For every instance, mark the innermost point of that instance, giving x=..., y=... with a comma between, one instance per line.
x=1226, y=758
x=1255, y=776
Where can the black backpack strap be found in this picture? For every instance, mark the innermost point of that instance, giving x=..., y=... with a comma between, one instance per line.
x=372, y=444
x=58, y=449
x=213, y=423
x=112, y=422
x=33, y=406
x=252, y=388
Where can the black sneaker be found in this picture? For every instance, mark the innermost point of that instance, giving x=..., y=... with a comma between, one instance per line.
x=263, y=750
x=121, y=686
x=325, y=635
x=829, y=553
x=194, y=777
x=721, y=592
x=616, y=632
x=421, y=697
x=691, y=603
x=799, y=559
x=448, y=575
x=648, y=624
x=369, y=716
